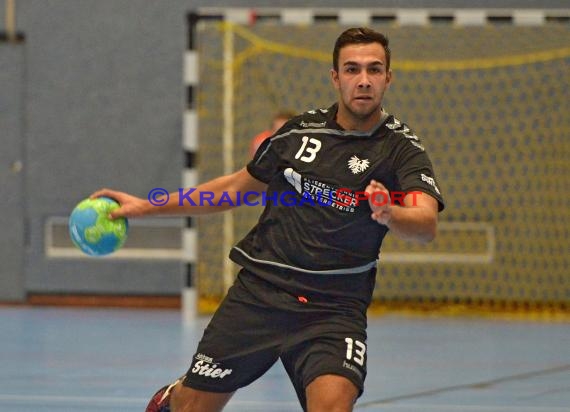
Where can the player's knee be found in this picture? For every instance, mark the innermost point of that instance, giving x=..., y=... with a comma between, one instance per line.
x=332, y=403
x=331, y=394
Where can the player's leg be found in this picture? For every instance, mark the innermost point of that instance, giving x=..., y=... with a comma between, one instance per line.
x=185, y=399
x=241, y=342
x=326, y=361
x=327, y=372
x=176, y=397
x=331, y=393
x=160, y=401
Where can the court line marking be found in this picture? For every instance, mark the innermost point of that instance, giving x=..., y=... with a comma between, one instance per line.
x=474, y=408
x=115, y=401
x=82, y=400
x=46, y=400
x=475, y=385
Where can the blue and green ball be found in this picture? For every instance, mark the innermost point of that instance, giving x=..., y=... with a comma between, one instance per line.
x=92, y=231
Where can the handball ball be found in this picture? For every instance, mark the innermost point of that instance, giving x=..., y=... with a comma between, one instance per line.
x=92, y=231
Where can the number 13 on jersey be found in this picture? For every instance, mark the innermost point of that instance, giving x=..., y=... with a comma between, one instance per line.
x=309, y=149
x=355, y=351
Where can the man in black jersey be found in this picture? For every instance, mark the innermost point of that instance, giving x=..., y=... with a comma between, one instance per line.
x=334, y=181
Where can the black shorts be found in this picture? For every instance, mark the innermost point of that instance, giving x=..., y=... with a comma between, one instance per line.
x=257, y=324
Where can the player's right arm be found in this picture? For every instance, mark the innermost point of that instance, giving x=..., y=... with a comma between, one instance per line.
x=203, y=199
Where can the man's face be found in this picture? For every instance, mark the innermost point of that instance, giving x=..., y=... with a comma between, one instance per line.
x=361, y=81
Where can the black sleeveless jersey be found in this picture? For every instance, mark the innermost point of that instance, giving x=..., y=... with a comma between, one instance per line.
x=316, y=220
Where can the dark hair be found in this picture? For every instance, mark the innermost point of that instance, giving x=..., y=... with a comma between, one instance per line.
x=360, y=35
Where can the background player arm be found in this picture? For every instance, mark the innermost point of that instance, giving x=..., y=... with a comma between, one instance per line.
x=415, y=221
x=203, y=199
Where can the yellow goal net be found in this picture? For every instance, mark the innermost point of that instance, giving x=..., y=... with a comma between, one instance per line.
x=492, y=106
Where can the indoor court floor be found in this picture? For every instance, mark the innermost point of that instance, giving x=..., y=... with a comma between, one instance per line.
x=87, y=360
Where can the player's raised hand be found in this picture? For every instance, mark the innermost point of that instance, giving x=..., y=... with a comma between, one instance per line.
x=379, y=201
x=131, y=206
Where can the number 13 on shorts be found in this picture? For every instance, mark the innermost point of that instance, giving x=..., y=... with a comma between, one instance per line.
x=355, y=351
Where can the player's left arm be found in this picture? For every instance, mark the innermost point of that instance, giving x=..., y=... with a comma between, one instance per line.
x=415, y=219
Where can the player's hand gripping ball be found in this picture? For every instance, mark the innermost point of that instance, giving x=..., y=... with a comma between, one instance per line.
x=92, y=231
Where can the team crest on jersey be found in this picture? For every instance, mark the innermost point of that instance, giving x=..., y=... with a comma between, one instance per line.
x=357, y=166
